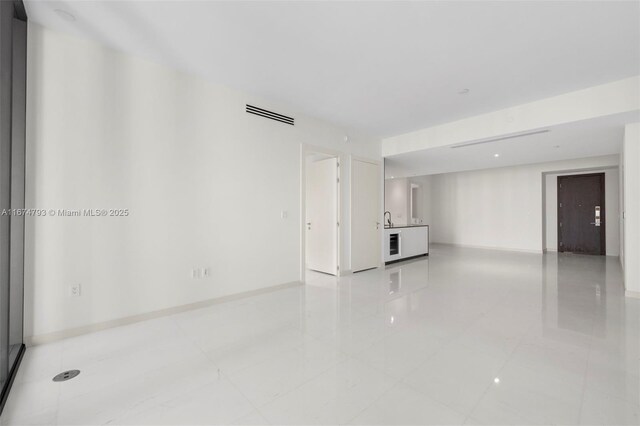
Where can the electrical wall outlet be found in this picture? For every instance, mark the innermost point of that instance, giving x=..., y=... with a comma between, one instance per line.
x=201, y=272
x=74, y=290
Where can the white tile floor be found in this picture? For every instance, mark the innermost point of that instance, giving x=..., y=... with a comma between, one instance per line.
x=465, y=336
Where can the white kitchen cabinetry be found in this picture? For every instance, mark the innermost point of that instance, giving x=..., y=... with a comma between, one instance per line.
x=405, y=242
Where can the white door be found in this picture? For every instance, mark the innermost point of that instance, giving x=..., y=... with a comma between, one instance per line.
x=322, y=216
x=365, y=212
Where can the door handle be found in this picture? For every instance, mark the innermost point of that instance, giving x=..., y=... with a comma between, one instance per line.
x=309, y=225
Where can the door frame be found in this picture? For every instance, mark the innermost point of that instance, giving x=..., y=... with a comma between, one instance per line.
x=380, y=165
x=305, y=150
x=603, y=210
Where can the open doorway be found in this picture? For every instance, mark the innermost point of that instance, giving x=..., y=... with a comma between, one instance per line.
x=322, y=195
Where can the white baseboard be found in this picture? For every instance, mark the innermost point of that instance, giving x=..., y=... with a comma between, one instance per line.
x=488, y=247
x=547, y=250
x=72, y=332
x=634, y=294
x=552, y=250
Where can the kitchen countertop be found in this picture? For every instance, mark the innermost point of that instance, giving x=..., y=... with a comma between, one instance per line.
x=404, y=226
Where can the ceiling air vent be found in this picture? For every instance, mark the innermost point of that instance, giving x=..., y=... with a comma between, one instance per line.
x=501, y=138
x=269, y=114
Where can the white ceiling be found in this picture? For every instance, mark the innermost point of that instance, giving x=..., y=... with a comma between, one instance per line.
x=381, y=67
x=601, y=136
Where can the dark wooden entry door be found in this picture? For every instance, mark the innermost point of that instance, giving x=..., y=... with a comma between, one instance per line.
x=581, y=214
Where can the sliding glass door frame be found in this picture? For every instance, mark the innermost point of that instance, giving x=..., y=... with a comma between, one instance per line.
x=13, y=62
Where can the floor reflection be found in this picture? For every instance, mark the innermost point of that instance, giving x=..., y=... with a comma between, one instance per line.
x=395, y=282
x=580, y=298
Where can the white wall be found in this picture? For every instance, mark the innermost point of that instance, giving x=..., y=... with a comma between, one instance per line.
x=497, y=208
x=612, y=210
x=397, y=193
x=426, y=199
x=205, y=183
x=632, y=209
x=396, y=201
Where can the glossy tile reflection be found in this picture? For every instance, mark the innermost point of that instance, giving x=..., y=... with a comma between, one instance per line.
x=462, y=337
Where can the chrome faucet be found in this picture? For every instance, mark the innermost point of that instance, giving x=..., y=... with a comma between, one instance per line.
x=389, y=219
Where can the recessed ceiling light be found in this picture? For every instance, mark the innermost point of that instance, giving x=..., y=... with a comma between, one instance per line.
x=392, y=177
x=496, y=155
x=496, y=380
x=463, y=92
x=65, y=15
